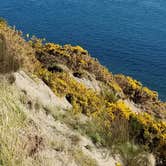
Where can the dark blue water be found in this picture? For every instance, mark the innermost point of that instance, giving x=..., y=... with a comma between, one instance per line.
x=127, y=36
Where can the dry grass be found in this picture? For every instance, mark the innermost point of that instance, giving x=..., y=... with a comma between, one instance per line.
x=19, y=140
x=12, y=124
x=15, y=52
x=132, y=155
x=81, y=159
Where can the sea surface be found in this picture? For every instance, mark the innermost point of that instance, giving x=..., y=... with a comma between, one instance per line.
x=127, y=36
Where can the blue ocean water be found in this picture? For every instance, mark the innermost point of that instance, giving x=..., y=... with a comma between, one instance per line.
x=127, y=36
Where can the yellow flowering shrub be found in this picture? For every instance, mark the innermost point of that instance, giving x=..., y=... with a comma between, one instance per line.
x=115, y=86
x=149, y=92
x=76, y=59
x=78, y=49
x=83, y=99
x=147, y=130
x=119, y=108
x=135, y=89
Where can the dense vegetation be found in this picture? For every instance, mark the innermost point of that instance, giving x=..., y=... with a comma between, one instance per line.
x=144, y=128
x=116, y=122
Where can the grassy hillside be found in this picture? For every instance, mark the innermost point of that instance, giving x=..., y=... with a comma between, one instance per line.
x=121, y=114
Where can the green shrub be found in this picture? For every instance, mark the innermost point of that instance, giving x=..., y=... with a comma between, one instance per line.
x=132, y=155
